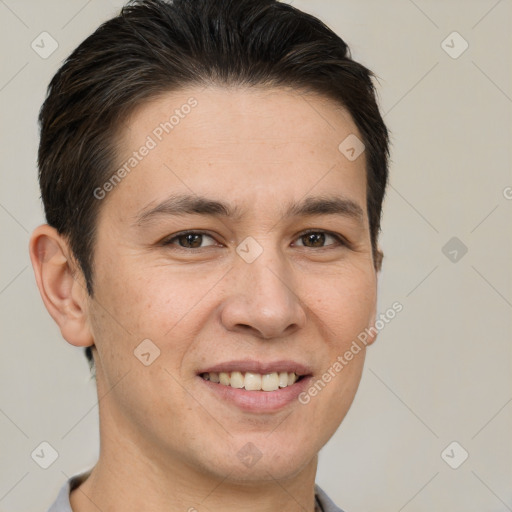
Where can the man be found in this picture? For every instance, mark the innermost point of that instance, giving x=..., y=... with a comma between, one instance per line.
x=212, y=173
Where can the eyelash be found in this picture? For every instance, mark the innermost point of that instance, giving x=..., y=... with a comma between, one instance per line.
x=341, y=241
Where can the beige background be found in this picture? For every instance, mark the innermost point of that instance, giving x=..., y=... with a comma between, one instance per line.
x=441, y=371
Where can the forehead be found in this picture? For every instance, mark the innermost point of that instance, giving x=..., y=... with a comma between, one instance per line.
x=250, y=145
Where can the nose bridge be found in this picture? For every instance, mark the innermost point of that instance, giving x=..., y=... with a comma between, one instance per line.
x=270, y=279
x=270, y=266
x=263, y=296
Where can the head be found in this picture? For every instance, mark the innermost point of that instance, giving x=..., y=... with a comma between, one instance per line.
x=238, y=120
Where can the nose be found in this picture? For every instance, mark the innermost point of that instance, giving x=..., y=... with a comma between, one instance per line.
x=262, y=300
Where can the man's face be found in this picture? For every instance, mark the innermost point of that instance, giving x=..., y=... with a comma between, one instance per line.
x=247, y=292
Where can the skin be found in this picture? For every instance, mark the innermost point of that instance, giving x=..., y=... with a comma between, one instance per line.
x=166, y=441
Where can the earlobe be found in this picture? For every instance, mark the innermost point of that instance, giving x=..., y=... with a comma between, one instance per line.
x=62, y=291
x=371, y=330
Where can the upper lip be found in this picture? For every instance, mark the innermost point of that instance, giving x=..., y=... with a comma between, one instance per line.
x=262, y=367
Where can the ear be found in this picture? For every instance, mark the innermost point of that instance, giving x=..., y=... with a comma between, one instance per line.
x=378, y=256
x=61, y=284
x=371, y=331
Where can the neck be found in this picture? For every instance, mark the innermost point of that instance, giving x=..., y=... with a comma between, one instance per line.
x=120, y=485
x=131, y=475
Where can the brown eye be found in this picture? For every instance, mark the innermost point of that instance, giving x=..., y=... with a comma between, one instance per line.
x=189, y=240
x=313, y=239
x=317, y=239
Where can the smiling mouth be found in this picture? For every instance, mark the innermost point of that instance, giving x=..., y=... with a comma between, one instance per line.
x=251, y=381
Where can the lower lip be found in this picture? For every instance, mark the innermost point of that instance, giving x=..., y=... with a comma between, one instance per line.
x=258, y=401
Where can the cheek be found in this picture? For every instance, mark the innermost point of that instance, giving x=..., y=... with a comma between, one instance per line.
x=344, y=308
x=152, y=300
x=344, y=305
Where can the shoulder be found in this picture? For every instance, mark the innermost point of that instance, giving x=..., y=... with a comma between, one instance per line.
x=61, y=503
x=325, y=502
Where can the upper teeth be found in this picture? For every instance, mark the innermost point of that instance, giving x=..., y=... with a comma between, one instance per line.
x=252, y=381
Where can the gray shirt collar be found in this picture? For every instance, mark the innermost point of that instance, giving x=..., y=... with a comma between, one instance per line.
x=61, y=504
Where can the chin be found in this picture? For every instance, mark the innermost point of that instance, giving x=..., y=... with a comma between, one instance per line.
x=257, y=458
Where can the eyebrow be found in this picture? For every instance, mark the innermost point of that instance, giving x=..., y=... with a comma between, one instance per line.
x=198, y=205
